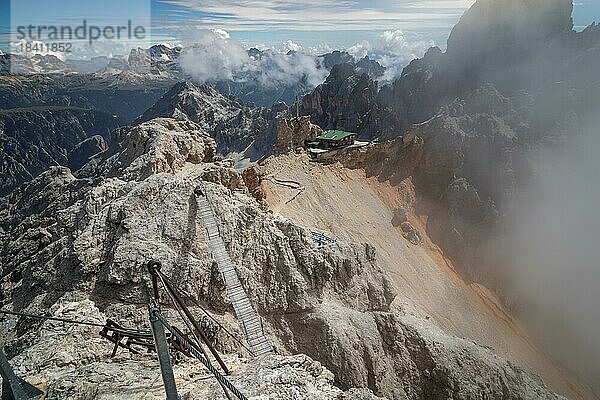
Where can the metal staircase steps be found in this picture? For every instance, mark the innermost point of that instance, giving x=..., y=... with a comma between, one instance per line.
x=249, y=319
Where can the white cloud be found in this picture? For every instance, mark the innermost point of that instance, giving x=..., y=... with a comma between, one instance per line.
x=292, y=46
x=319, y=49
x=290, y=69
x=215, y=56
x=222, y=33
x=393, y=49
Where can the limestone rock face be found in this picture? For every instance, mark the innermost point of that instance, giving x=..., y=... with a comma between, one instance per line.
x=237, y=127
x=252, y=179
x=160, y=145
x=411, y=233
x=458, y=170
x=343, y=101
x=512, y=44
x=77, y=248
x=293, y=132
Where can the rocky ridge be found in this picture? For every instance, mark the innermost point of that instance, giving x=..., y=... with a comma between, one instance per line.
x=263, y=84
x=19, y=65
x=240, y=128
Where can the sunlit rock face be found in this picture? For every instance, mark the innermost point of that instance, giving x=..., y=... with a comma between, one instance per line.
x=237, y=127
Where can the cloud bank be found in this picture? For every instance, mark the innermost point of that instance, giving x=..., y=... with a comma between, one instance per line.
x=214, y=56
x=393, y=49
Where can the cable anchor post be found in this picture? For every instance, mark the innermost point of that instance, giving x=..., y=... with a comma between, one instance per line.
x=158, y=332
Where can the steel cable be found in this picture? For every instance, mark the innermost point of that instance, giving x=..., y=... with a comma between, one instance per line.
x=192, y=350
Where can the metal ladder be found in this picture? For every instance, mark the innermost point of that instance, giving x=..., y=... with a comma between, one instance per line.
x=249, y=319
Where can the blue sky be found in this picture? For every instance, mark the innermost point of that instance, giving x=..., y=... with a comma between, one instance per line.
x=313, y=22
x=585, y=12
x=337, y=23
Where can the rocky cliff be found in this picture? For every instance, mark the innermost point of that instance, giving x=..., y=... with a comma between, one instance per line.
x=295, y=132
x=343, y=101
x=240, y=128
x=85, y=240
x=33, y=139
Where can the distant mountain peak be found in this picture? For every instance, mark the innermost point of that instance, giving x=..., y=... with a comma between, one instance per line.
x=234, y=124
x=198, y=103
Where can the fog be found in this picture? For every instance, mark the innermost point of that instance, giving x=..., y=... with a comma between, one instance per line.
x=553, y=249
